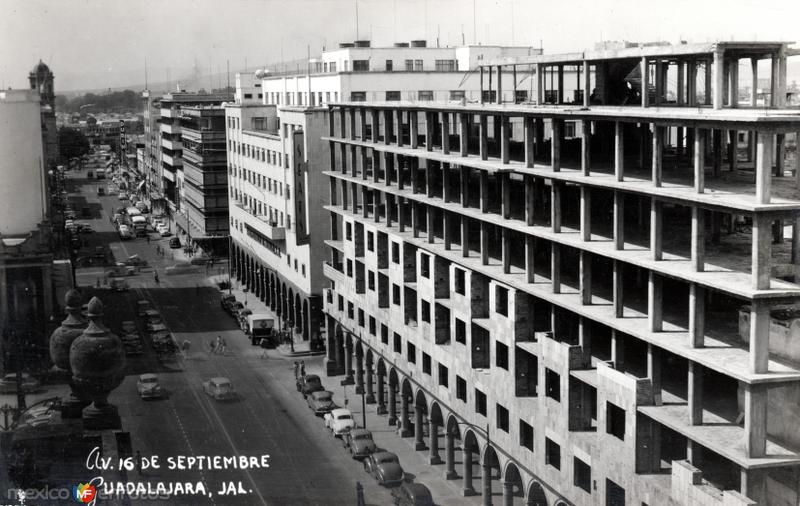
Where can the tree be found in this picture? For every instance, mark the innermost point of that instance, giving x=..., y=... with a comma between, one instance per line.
x=72, y=143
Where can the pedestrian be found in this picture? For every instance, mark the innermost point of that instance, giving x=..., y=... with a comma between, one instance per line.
x=211, y=346
x=302, y=368
x=263, y=343
x=138, y=462
x=296, y=370
x=155, y=277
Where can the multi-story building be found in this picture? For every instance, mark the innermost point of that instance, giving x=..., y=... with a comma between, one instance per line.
x=152, y=144
x=605, y=320
x=276, y=157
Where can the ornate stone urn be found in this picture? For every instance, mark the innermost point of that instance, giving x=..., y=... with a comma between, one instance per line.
x=60, y=341
x=97, y=359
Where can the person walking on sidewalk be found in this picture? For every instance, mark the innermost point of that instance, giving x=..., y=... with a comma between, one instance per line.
x=296, y=370
x=302, y=369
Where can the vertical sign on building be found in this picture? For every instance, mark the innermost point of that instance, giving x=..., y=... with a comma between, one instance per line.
x=300, y=173
x=122, y=147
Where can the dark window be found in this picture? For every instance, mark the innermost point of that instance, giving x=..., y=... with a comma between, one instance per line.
x=552, y=384
x=358, y=96
x=398, y=343
x=389, y=65
x=370, y=241
x=392, y=95
x=348, y=231
x=371, y=280
x=582, y=475
x=521, y=96
x=411, y=352
x=480, y=402
x=248, y=95
x=501, y=300
x=395, y=295
x=445, y=65
x=360, y=317
x=395, y=253
x=350, y=310
x=461, y=388
x=489, y=96
x=501, y=352
x=443, y=376
x=615, y=495
x=426, y=311
x=461, y=332
x=615, y=421
x=384, y=334
x=525, y=435
x=341, y=303
x=372, y=325
x=460, y=283
x=457, y=95
x=349, y=268
x=360, y=65
x=409, y=65
x=426, y=363
x=425, y=95
x=502, y=418
x=552, y=454
x=425, y=266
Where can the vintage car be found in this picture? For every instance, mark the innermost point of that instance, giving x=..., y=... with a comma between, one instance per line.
x=142, y=306
x=359, y=442
x=149, y=387
x=385, y=467
x=118, y=285
x=120, y=270
x=309, y=384
x=321, y=402
x=339, y=421
x=219, y=388
x=412, y=494
x=135, y=261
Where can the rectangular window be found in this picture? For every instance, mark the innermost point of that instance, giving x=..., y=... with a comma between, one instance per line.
x=360, y=65
x=582, y=475
x=552, y=456
x=615, y=495
x=395, y=253
x=443, y=376
x=426, y=363
x=418, y=65
x=372, y=325
x=411, y=353
x=349, y=268
x=370, y=241
x=457, y=95
x=425, y=95
x=395, y=295
x=426, y=311
x=358, y=96
x=371, y=280
x=341, y=303
x=384, y=334
x=615, y=421
x=502, y=417
x=360, y=317
x=392, y=96
x=424, y=265
x=459, y=278
x=348, y=231
x=350, y=310
x=552, y=384
x=525, y=435
x=409, y=65
x=461, y=388
x=569, y=129
x=398, y=343
x=501, y=300
x=501, y=352
x=480, y=402
x=445, y=65
x=461, y=331
x=389, y=65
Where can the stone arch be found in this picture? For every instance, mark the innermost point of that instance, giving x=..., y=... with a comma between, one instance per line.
x=306, y=319
x=272, y=291
x=380, y=366
x=298, y=313
x=470, y=441
x=290, y=307
x=393, y=377
x=512, y=476
x=536, y=495
x=406, y=388
x=435, y=413
x=452, y=426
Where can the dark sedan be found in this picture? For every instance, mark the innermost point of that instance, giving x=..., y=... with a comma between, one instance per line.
x=310, y=384
x=412, y=494
x=385, y=467
x=359, y=442
x=321, y=402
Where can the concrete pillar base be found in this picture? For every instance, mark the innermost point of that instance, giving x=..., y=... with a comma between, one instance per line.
x=451, y=475
x=382, y=410
x=420, y=446
x=406, y=432
x=392, y=420
x=370, y=399
x=331, y=367
x=435, y=460
x=469, y=492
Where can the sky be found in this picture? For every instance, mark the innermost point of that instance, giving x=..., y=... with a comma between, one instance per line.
x=95, y=44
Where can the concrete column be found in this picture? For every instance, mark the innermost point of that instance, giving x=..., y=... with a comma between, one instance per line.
x=359, y=371
x=340, y=352
x=446, y=133
x=381, y=409
x=654, y=370
x=586, y=147
x=468, y=490
x=484, y=191
x=415, y=218
x=433, y=455
x=505, y=194
x=375, y=125
x=530, y=250
x=755, y=420
x=585, y=281
x=464, y=236
x=759, y=337
x=586, y=213
x=484, y=243
x=463, y=137
x=716, y=136
x=430, y=224
x=508, y=493
x=617, y=349
x=733, y=150
x=659, y=74
x=486, y=479
x=655, y=303
x=619, y=220
x=529, y=141
x=763, y=168
x=754, y=82
x=419, y=430
x=761, y=251
x=530, y=191
x=617, y=288
x=404, y=421
x=413, y=129
x=695, y=393
x=643, y=68
x=691, y=83
x=370, y=397
x=656, y=229
x=733, y=88
x=392, y=405
x=506, y=250
x=555, y=144
x=719, y=79
x=681, y=98
x=586, y=83
x=780, y=154
x=505, y=135
x=698, y=239
x=697, y=316
x=555, y=267
x=348, y=358
x=388, y=119
x=699, y=160
x=540, y=82
x=658, y=149
x=555, y=206
x=619, y=156
x=450, y=457
x=483, y=136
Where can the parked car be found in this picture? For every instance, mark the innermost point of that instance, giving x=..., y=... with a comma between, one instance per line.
x=142, y=306
x=86, y=228
x=359, y=442
x=412, y=494
x=226, y=299
x=174, y=243
x=125, y=232
x=163, y=231
x=149, y=387
x=219, y=388
x=119, y=285
x=122, y=196
x=120, y=270
x=385, y=467
x=135, y=261
x=234, y=307
x=101, y=191
x=321, y=402
x=339, y=421
x=182, y=268
x=309, y=384
x=8, y=385
x=41, y=413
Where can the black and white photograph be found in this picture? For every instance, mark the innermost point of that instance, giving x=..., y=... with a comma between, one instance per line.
x=399, y=253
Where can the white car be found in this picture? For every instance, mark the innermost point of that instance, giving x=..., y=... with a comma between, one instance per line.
x=219, y=388
x=122, y=196
x=149, y=387
x=163, y=231
x=339, y=421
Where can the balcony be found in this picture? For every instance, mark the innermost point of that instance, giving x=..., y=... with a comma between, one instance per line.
x=169, y=129
x=174, y=161
x=169, y=144
x=271, y=229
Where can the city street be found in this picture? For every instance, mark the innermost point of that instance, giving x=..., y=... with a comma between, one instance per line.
x=306, y=465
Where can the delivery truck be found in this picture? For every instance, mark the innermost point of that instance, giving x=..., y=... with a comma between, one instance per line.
x=260, y=325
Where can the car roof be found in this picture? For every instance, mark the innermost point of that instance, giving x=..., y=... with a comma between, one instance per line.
x=358, y=432
x=340, y=411
x=381, y=455
x=220, y=379
x=148, y=376
x=322, y=393
x=311, y=377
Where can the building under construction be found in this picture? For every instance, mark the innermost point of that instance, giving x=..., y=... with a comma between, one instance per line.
x=583, y=292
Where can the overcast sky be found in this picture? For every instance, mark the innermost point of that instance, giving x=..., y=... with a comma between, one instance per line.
x=104, y=43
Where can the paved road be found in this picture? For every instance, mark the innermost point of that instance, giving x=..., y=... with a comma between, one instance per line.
x=307, y=466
